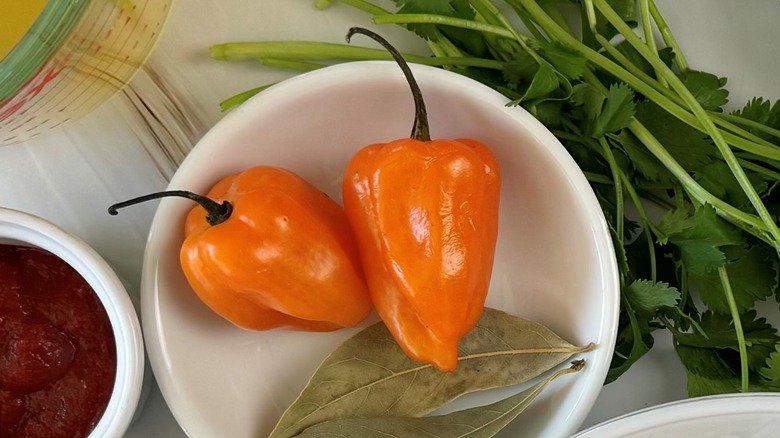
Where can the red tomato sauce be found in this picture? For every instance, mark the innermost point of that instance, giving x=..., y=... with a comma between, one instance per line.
x=57, y=351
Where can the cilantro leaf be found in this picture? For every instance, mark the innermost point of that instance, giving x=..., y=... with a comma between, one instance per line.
x=667, y=55
x=629, y=52
x=718, y=179
x=707, y=372
x=720, y=335
x=674, y=222
x=770, y=373
x=628, y=348
x=646, y=297
x=761, y=339
x=761, y=111
x=603, y=114
x=617, y=112
x=519, y=71
x=689, y=147
x=545, y=81
x=463, y=9
x=587, y=100
x=620, y=253
x=569, y=62
x=641, y=159
x=706, y=88
x=701, y=238
x=751, y=276
x=549, y=113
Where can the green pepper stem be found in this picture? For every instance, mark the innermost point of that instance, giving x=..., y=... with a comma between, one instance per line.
x=420, y=129
x=216, y=212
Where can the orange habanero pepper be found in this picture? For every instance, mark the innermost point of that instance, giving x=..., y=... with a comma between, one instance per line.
x=277, y=252
x=425, y=214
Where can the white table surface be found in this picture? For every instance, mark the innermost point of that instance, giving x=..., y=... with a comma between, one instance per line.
x=126, y=148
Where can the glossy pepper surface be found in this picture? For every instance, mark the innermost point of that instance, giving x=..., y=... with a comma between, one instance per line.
x=282, y=255
x=425, y=214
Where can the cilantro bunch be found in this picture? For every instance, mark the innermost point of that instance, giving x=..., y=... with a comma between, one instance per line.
x=688, y=189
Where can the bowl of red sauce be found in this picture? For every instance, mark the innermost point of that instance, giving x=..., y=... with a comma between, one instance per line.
x=71, y=350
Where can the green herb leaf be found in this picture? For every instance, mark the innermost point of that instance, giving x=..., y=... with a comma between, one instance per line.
x=764, y=112
x=478, y=422
x=718, y=179
x=674, y=222
x=752, y=276
x=689, y=147
x=647, y=297
x=716, y=331
x=617, y=112
x=588, y=100
x=770, y=373
x=545, y=81
x=369, y=375
x=707, y=372
x=641, y=159
x=701, y=238
x=567, y=61
x=520, y=71
x=706, y=88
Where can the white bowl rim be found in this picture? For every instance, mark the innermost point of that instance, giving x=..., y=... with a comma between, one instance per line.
x=278, y=91
x=26, y=228
x=686, y=409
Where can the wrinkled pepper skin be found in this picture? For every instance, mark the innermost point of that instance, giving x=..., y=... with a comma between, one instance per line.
x=286, y=257
x=425, y=215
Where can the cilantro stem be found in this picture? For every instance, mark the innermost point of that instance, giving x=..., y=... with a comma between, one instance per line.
x=771, y=174
x=240, y=98
x=619, y=219
x=444, y=21
x=291, y=64
x=590, y=12
x=636, y=338
x=302, y=50
x=700, y=114
x=668, y=37
x=724, y=279
x=749, y=124
x=239, y=51
x=647, y=224
x=598, y=178
x=357, y=4
x=647, y=27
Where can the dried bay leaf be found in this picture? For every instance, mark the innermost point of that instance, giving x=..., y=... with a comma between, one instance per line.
x=369, y=375
x=477, y=422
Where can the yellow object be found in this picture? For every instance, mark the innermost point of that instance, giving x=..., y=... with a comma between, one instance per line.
x=16, y=18
x=77, y=55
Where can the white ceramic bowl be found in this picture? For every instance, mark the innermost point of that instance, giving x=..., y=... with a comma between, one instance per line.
x=555, y=261
x=19, y=228
x=747, y=415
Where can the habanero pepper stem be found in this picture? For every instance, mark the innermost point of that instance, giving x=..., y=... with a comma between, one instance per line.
x=216, y=212
x=420, y=128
